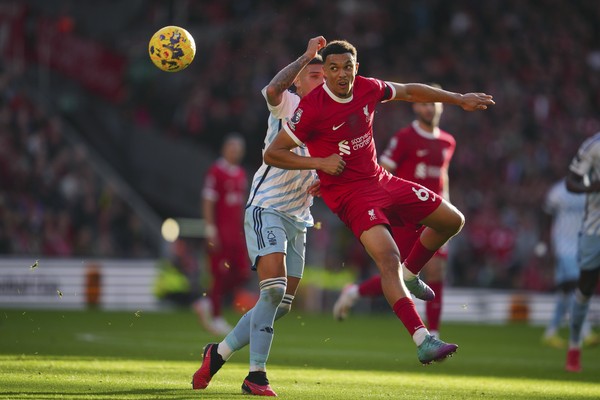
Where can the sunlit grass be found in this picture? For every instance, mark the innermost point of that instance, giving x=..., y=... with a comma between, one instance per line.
x=108, y=355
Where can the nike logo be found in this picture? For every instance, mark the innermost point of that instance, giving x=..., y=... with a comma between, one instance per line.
x=336, y=127
x=422, y=153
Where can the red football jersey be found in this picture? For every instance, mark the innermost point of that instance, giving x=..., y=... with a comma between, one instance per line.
x=227, y=185
x=328, y=124
x=420, y=156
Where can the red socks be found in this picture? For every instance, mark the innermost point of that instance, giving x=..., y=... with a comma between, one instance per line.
x=371, y=287
x=418, y=257
x=405, y=310
x=433, y=308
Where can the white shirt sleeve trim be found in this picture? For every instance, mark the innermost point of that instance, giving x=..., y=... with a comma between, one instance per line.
x=294, y=138
x=393, y=92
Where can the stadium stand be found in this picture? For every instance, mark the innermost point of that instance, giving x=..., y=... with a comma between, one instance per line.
x=540, y=60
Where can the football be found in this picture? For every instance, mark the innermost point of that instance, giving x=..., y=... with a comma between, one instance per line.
x=172, y=48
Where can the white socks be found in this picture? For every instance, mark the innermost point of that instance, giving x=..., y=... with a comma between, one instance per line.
x=420, y=335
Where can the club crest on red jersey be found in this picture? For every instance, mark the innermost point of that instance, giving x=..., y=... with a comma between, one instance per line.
x=295, y=119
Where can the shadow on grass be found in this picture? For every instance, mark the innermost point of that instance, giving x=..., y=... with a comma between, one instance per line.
x=137, y=394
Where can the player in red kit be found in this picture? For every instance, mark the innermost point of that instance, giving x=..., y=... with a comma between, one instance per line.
x=421, y=153
x=223, y=200
x=335, y=122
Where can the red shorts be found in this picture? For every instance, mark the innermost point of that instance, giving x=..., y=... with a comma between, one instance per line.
x=393, y=202
x=405, y=237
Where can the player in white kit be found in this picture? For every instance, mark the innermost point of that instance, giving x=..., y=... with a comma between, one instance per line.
x=584, y=177
x=566, y=211
x=277, y=216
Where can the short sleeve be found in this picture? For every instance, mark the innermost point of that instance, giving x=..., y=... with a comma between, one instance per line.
x=385, y=90
x=300, y=125
x=288, y=104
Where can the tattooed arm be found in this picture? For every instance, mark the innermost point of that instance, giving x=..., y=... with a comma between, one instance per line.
x=284, y=78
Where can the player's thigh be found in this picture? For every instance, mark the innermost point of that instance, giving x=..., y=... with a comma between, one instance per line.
x=296, y=254
x=296, y=249
x=380, y=245
x=588, y=280
x=271, y=266
x=445, y=217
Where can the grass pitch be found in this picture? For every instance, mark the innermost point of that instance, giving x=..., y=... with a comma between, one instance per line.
x=126, y=355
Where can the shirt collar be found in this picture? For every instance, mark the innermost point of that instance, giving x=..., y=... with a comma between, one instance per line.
x=336, y=98
x=428, y=135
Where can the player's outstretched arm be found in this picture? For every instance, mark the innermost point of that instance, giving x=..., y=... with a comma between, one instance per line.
x=284, y=78
x=421, y=93
x=278, y=155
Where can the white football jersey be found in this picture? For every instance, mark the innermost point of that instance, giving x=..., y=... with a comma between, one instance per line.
x=280, y=189
x=587, y=164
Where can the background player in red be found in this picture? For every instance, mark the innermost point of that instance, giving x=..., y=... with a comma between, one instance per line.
x=335, y=122
x=421, y=153
x=223, y=199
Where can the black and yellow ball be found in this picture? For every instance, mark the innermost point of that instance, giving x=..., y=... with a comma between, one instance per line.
x=172, y=48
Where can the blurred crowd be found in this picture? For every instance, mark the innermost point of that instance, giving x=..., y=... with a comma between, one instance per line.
x=52, y=202
x=539, y=59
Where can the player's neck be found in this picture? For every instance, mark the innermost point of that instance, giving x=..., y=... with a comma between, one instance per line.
x=425, y=129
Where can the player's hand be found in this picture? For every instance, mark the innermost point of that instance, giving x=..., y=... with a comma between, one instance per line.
x=212, y=238
x=315, y=189
x=333, y=164
x=314, y=45
x=476, y=101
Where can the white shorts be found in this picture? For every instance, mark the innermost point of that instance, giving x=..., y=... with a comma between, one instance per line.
x=566, y=270
x=588, y=252
x=269, y=231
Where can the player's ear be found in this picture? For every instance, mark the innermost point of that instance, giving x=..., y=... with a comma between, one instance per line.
x=356, y=69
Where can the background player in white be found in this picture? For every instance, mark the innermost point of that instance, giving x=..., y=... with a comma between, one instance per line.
x=277, y=216
x=584, y=177
x=420, y=152
x=565, y=211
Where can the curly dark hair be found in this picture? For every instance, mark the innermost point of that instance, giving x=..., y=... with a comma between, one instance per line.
x=338, y=47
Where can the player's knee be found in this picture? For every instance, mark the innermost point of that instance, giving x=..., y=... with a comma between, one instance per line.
x=389, y=264
x=272, y=290
x=449, y=221
x=459, y=221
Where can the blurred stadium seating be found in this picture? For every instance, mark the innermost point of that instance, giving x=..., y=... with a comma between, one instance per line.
x=85, y=66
